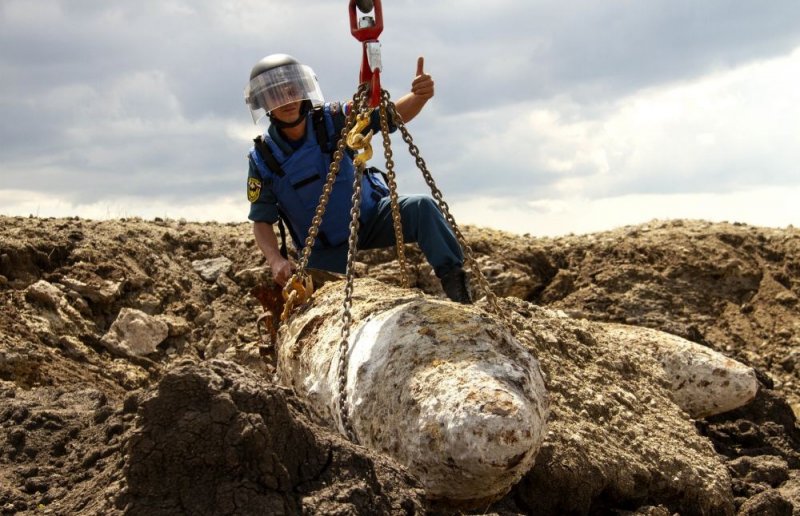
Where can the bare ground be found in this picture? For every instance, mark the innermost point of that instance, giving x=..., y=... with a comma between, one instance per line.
x=199, y=427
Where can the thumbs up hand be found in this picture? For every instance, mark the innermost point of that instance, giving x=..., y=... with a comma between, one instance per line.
x=422, y=86
x=409, y=106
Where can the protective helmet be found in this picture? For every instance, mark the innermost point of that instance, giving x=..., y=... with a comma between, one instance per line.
x=277, y=80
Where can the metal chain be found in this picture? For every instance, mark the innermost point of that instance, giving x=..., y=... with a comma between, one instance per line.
x=358, y=99
x=360, y=106
x=347, y=317
x=437, y=194
x=390, y=176
x=387, y=107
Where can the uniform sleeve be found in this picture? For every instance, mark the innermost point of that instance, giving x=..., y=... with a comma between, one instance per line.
x=375, y=122
x=263, y=204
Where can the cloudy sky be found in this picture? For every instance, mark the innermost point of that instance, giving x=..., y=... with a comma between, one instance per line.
x=549, y=117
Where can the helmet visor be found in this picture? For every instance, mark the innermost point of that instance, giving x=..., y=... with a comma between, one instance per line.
x=280, y=86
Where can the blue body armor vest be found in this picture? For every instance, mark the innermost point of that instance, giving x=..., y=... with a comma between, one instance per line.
x=298, y=178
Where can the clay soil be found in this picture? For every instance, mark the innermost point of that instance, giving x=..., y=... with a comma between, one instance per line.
x=199, y=426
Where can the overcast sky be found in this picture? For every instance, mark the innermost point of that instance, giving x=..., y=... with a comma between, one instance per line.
x=549, y=117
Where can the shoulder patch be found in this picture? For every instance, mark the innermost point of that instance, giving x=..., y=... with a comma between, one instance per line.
x=253, y=188
x=335, y=107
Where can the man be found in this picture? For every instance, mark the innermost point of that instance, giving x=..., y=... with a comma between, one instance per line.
x=289, y=164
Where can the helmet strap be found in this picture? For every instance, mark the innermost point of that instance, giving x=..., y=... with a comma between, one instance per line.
x=305, y=107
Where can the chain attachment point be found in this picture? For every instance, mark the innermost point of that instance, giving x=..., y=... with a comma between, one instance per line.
x=358, y=141
x=297, y=291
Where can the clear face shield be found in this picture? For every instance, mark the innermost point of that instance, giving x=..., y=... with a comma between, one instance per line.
x=280, y=86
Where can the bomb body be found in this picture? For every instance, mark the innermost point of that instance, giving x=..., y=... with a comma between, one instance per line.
x=440, y=387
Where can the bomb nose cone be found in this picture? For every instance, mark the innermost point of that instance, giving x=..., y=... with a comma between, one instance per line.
x=468, y=443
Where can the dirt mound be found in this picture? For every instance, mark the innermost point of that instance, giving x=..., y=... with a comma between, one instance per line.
x=77, y=414
x=217, y=439
x=62, y=450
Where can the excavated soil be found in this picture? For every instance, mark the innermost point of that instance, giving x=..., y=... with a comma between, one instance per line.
x=198, y=425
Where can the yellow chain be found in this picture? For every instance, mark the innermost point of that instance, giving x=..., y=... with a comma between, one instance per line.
x=358, y=141
x=296, y=292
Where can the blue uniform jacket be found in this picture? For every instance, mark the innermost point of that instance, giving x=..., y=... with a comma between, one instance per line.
x=295, y=196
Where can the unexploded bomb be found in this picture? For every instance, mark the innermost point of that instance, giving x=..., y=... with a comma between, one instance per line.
x=440, y=387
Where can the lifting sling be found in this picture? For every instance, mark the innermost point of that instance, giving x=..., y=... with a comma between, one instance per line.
x=352, y=139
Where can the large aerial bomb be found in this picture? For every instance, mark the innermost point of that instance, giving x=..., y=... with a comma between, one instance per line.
x=703, y=382
x=440, y=387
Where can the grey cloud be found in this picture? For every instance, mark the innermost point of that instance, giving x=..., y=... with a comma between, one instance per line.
x=596, y=51
x=179, y=167
x=482, y=56
x=720, y=175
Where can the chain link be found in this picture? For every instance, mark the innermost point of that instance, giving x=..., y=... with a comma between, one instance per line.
x=387, y=108
x=390, y=177
x=445, y=209
x=358, y=99
x=360, y=106
x=347, y=317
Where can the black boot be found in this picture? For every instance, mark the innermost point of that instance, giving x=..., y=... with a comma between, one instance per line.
x=455, y=286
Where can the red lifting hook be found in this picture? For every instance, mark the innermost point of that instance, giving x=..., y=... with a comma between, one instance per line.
x=368, y=34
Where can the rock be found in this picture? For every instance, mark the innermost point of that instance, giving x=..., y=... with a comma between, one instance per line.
x=703, y=381
x=791, y=489
x=97, y=290
x=178, y=326
x=44, y=294
x=440, y=387
x=134, y=333
x=16, y=437
x=767, y=503
x=765, y=469
x=148, y=303
x=73, y=347
x=21, y=364
x=212, y=268
x=249, y=278
x=791, y=362
x=7, y=389
x=204, y=317
x=511, y=279
x=787, y=298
